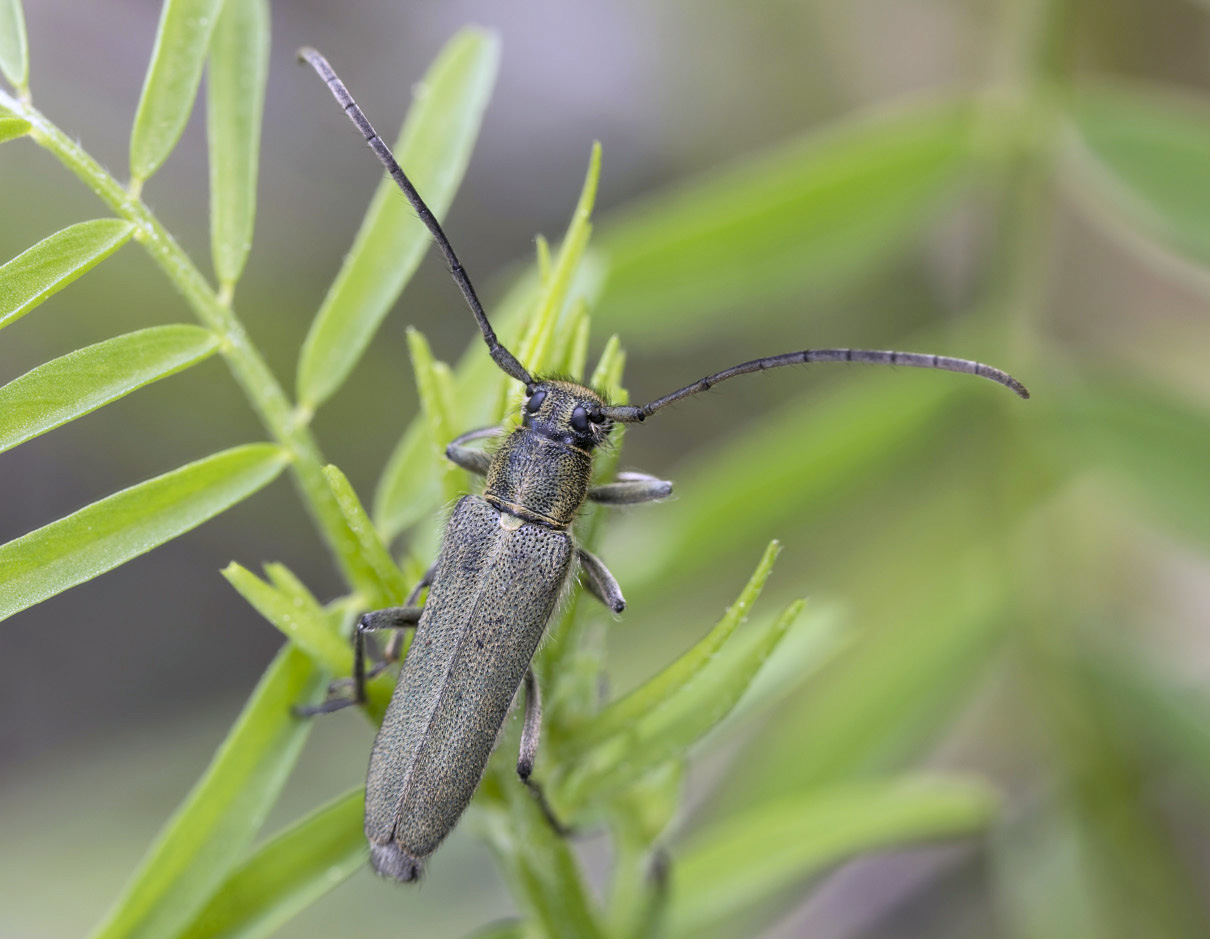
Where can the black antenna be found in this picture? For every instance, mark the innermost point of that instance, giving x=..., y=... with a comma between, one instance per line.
x=629, y=414
x=500, y=355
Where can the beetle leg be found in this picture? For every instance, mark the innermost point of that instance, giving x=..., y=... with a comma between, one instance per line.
x=394, y=647
x=530, y=732
x=396, y=617
x=631, y=488
x=470, y=459
x=601, y=584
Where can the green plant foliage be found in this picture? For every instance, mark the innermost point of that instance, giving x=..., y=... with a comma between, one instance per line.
x=1153, y=153
x=55, y=262
x=290, y=871
x=11, y=128
x=747, y=859
x=826, y=708
x=181, y=43
x=219, y=819
x=809, y=212
x=291, y=608
x=82, y=381
x=435, y=145
x=438, y=409
x=235, y=98
x=1143, y=437
x=660, y=689
x=99, y=537
x=14, y=51
x=383, y=583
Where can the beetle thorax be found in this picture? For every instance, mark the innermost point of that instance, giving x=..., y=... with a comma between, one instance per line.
x=542, y=470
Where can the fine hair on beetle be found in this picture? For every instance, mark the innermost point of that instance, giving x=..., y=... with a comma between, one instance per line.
x=506, y=557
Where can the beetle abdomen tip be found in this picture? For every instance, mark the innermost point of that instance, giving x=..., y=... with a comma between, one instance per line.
x=390, y=860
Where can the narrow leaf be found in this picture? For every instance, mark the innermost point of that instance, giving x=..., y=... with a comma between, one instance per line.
x=12, y=127
x=811, y=212
x=1150, y=161
x=537, y=861
x=297, y=614
x=752, y=856
x=181, y=43
x=55, y=262
x=1147, y=438
x=14, y=50
x=656, y=691
x=433, y=148
x=238, y=72
x=286, y=874
x=82, y=381
x=384, y=582
x=675, y=724
x=438, y=413
x=126, y=524
x=218, y=820
x=536, y=350
x=868, y=426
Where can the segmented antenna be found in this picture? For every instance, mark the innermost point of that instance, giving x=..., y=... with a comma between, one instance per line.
x=500, y=355
x=629, y=414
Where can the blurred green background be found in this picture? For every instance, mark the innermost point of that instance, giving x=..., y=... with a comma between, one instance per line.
x=1024, y=586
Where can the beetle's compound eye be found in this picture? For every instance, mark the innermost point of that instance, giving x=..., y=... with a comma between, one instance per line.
x=535, y=400
x=579, y=420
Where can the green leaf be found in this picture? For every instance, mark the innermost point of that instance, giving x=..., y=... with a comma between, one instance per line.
x=408, y=489
x=383, y=582
x=752, y=856
x=55, y=262
x=813, y=211
x=14, y=51
x=1144, y=437
x=673, y=725
x=433, y=148
x=827, y=447
x=438, y=410
x=1165, y=715
x=886, y=692
x=181, y=42
x=12, y=127
x=537, y=861
x=658, y=690
x=295, y=612
x=126, y=524
x=219, y=819
x=536, y=351
x=1150, y=160
x=235, y=97
x=82, y=381
x=286, y=874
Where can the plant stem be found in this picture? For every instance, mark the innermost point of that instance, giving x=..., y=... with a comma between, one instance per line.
x=262, y=389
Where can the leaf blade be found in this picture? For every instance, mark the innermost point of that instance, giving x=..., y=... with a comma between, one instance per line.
x=238, y=74
x=54, y=262
x=221, y=815
x=433, y=147
x=82, y=381
x=113, y=530
x=753, y=855
x=14, y=48
x=1151, y=150
x=811, y=212
x=170, y=85
x=289, y=872
x=13, y=127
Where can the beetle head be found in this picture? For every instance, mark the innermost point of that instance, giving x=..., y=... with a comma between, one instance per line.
x=566, y=412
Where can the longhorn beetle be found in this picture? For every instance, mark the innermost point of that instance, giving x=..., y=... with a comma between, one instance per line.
x=504, y=559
